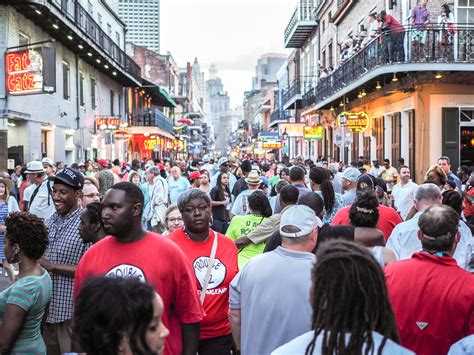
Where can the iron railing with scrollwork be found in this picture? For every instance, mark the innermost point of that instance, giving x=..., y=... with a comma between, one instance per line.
x=278, y=115
x=293, y=90
x=436, y=44
x=303, y=12
x=73, y=10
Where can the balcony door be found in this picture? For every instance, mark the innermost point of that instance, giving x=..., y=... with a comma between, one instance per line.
x=379, y=139
x=396, y=137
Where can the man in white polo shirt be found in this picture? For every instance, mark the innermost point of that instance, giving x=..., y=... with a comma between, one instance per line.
x=38, y=194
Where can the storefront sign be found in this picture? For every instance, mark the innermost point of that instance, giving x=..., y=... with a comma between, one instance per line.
x=270, y=140
x=151, y=144
x=292, y=129
x=31, y=71
x=104, y=123
x=271, y=144
x=343, y=136
x=313, y=132
x=122, y=135
x=355, y=121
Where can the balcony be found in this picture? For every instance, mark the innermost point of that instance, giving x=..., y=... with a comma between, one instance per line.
x=291, y=97
x=301, y=24
x=278, y=116
x=69, y=23
x=153, y=118
x=375, y=63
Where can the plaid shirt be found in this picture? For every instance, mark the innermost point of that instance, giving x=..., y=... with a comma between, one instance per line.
x=65, y=247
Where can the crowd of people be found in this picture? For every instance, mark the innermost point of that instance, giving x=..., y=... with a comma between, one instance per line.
x=393, y=38
x=228, y=256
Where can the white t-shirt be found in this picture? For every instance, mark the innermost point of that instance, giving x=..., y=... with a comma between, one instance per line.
x=299, y=344
x=403, y=196
x=42, y=204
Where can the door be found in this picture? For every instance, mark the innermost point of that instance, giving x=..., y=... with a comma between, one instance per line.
x=379, y=139
x=450, y=135
x=396, y=137
x=411, y=143
x=466, y=137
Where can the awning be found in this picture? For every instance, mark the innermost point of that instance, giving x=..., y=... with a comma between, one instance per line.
x=160, y=95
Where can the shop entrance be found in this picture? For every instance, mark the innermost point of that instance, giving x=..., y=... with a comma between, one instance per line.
x=466, y=137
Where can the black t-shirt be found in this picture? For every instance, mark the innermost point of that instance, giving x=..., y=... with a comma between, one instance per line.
x=239, y=186
x=218, y=212
x=326, y=232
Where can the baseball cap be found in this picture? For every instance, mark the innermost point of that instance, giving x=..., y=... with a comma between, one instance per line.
x=222, y=160
x=69, y=177
x=299, y=217
x=365, y=181
x=103, y=163
x=351, y=174
x=194, y=175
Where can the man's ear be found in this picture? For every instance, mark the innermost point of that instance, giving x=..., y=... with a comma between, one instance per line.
x=137, y=209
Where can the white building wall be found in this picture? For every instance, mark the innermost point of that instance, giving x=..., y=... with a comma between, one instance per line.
x=51, y=113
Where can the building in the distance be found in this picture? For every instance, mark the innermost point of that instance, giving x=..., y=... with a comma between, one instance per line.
x=143, y=22
x=267, y=68
x=217, y=102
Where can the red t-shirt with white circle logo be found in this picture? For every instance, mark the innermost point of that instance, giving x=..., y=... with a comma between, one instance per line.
x=157, y=261
x=216, y=303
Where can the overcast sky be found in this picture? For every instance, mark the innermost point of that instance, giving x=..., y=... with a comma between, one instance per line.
x=233, y=34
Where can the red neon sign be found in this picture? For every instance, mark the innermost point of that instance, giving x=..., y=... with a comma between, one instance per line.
x=24, y=71
x=104, y=123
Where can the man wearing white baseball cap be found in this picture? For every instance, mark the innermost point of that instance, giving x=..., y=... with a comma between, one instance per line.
x=37, y=197
x=269, y=298
x=224, y=167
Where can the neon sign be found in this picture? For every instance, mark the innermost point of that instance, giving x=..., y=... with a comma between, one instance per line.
x=104, y=123
x=355, y=121
x=24, y=72
x=30, y=71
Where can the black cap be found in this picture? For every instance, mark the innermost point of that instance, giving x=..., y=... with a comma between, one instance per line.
x=364, y=182
x=69, y=177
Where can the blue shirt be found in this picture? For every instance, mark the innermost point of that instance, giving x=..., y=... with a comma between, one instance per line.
x=177, y=187
x=298, y=345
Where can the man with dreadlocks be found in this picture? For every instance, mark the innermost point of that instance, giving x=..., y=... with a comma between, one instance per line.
x=433, y=298
x=351, y=310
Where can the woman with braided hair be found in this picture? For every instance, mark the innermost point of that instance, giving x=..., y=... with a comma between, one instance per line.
x=351, y=310
x=322, y=185
x=364, y=213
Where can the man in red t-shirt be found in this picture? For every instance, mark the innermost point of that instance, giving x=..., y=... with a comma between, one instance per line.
x=388, y=217
x=431, y=296
x=197, y=240
x=133, y=252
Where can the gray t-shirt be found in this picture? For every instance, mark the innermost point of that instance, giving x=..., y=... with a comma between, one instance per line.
x=272, y=293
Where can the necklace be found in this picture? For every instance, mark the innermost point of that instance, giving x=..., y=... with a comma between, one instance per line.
x=203, y=241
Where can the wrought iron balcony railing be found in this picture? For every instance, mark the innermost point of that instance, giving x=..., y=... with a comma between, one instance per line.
x=436, y=45
x=292, y=93
x=73, y=10
x=278, y=116
x=152, y=118
x=302, y=23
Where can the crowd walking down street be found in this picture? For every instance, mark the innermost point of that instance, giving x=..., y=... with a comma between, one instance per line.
x=156, y=264
x=331, y=212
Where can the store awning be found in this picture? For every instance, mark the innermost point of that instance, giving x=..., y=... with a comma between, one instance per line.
x=159, y=94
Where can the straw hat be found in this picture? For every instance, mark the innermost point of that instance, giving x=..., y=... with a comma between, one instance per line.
x=8, y=184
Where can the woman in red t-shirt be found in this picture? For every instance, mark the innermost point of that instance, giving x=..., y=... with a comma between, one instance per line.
x=201, y=245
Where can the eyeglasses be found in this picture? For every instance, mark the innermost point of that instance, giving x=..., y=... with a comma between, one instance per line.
x=175, y=220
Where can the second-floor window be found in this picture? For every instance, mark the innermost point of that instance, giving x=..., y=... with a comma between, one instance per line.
x=112, y=97
x=66, y=84
x=23, y=39
x=93, y=89
x=81, y=89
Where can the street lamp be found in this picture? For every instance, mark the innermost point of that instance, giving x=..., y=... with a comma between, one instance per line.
x=284, y=135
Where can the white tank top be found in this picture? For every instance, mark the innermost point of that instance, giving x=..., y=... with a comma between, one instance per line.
x=377, y=253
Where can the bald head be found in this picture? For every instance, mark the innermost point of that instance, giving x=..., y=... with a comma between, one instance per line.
x=438, y=226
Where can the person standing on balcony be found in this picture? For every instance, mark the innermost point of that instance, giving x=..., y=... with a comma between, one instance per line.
x=447, y=31
x=420, y=18
x=394, y=34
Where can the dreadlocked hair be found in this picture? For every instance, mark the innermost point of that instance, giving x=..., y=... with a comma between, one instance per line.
x=349, y=295
x=321, y=177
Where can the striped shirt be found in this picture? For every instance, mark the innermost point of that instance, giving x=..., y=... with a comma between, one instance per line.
x=32, y=294
x=65, y=247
